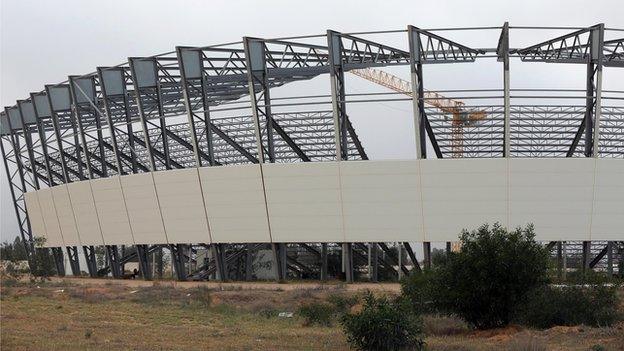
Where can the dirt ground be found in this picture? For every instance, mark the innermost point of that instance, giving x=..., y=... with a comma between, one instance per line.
x=85, y=314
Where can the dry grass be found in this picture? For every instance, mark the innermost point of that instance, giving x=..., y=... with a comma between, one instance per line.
x=161, y=317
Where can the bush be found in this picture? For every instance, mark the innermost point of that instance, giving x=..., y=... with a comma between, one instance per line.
x=383, y=325
x=419, y=291
x=549, y=306
x=485, y=280
x=316, y=314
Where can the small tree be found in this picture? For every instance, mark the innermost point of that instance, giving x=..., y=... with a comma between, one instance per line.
x=383, y=325
x=492, y=273
x=41, y=263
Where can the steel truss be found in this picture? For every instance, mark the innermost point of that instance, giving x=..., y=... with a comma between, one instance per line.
x=189, y=108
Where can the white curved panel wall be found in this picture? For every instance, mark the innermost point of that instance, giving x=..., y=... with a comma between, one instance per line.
x=555, y=196
x=65, y=214
x=182, y=206
x=235, y=204
x=111, y=211
x=37, y=224
x=54, y=237
x=85, y=213
x=381, y=201
x=304, y=202
x=355, y=201
x=143, y=209
x=608, y=211
x=459, y=194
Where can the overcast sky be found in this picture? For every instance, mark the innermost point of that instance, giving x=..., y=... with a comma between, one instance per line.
x=45, y=41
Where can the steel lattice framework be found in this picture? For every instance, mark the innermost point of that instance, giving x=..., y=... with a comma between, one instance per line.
x=211, y=106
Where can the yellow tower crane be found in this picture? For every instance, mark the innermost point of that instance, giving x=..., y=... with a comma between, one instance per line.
x=461, y=118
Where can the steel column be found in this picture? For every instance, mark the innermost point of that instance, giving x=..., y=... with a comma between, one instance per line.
x=74, y=260
x=503, y=55
x=89, y=253
x=427, y=252
x=347, y=261
x=339, y=106
x=57, y=253
x=113, y=260
x=324, y=261
x=144, y=266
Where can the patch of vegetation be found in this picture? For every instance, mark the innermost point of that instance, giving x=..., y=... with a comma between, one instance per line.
x=550, y=306
x=317, y=314
x=383, y=325
x=342, y=302
x=444, y=325
x=486, y=280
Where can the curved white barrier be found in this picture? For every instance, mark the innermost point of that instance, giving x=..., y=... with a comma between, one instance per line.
x=354, y=201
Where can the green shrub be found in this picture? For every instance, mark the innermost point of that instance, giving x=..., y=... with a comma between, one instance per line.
x=492, y=273
x=383, y=325
x=549, y=306
x=316, y=314
x=419, y=291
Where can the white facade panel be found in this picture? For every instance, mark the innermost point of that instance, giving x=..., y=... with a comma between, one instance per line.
x=235, y=204
x=553, y=194
x=65, y=214
x=182, y=206
x=381, y=201
x=54, y=236
x=143, y=209
x=608, y=211
x=111, y=210
x=304, y=202
x=34, y=214
x=458, y=194
x=85, y=214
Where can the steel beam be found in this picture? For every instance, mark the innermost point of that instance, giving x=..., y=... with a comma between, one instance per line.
x=502, y=52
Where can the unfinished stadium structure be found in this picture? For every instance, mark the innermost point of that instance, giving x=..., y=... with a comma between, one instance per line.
x=186, y=155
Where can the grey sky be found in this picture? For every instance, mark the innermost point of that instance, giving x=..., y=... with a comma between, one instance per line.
x=45, y=41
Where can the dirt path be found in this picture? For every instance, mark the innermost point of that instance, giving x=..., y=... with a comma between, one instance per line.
x=391, y=287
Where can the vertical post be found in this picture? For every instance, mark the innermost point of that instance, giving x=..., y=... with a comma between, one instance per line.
x=76, y=102
x=279, y=276
x=57, y=253
x=375, y=262
x=597, y=43
x=111, y=83
x=427, y=252
x=191, y=73
x=559, y=260
x=144, y=78
x=142, y=255
x=89, y=253
x=586, y=256
x=400, y=254
x=610, y=258
x=74, y=263
x=324, y=261
x=283, y=251
x=564, y=250
x=248, y=263
x=417, y=91
x=449, y=247
x=259, y=95
x=347, y=255
x=339, y=106
x=593, y=90
x=503, y=55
